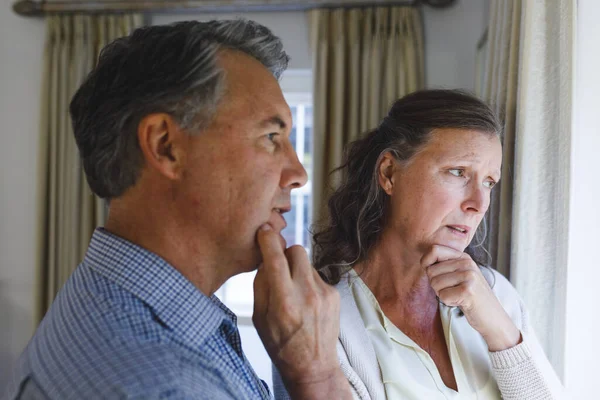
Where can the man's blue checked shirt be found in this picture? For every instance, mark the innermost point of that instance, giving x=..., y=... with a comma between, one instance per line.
x=128, y=325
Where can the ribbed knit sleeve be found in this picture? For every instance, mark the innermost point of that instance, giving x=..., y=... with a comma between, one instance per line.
x=517, y=375
x=523, y=372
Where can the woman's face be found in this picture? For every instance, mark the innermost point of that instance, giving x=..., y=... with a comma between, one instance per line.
x=442, y=193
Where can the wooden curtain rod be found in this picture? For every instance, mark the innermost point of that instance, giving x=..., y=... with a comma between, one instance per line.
x=40, y=8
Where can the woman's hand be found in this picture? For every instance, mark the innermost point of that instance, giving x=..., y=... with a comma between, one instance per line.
x=458, y=282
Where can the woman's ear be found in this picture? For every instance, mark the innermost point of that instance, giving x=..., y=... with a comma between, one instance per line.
x=385, y=172
x=160, y=140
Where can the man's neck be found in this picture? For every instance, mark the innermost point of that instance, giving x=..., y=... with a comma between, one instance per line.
x=156, y=231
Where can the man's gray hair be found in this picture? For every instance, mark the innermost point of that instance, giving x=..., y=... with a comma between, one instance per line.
x=157, y=69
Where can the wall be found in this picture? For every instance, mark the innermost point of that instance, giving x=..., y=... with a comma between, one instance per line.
x=21, y=53
x=21, y=57
x=451, y=36
x=582, y=348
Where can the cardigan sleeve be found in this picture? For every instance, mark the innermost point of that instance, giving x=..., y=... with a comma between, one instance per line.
x=522, y=372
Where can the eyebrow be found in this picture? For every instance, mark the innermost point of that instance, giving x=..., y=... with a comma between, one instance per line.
x=274, y=120
x=472, y=157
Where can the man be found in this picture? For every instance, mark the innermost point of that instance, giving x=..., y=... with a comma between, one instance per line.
x=185, y=130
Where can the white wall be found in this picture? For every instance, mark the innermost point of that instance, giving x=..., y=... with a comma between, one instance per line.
x=582, y=347
x=451, y=36
x=21, y=53
x=21, y=57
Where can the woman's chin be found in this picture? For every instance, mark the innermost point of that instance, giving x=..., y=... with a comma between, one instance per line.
x=457, y=245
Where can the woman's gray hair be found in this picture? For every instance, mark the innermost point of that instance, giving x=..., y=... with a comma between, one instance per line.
x=358, y=207
x=157, y=69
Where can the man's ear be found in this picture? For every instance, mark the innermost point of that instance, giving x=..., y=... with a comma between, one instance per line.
x=161, y=141
x=385, y=172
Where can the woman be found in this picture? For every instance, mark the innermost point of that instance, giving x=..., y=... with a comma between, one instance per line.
x=421, y=318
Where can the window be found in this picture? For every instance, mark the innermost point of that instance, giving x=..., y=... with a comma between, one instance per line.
x=237, y=293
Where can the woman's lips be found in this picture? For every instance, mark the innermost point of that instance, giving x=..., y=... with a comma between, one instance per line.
x=459, y=230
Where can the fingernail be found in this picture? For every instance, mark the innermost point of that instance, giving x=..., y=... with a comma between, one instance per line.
x=266, y=227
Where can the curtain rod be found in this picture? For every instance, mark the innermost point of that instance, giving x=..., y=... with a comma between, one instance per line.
x=32, y=8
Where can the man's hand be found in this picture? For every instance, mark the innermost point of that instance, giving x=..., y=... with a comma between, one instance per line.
x=458, y=282
x=296, y=315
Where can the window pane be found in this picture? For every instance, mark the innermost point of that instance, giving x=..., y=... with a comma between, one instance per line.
x=238, y=294
x=308, y=116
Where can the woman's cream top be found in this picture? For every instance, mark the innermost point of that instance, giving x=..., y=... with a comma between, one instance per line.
x=408, y=372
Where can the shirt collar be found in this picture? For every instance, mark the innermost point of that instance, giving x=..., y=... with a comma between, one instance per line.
x=171, y=296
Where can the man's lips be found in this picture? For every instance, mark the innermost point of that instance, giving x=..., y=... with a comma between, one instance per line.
x=282, y=210
x=278, y=223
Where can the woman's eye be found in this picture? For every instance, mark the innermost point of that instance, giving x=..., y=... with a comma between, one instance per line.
x=457, y=172
x=489, y=184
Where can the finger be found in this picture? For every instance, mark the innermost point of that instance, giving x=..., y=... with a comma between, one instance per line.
x=300, y=266
x=449, y=280
x=453, y=296
x=449, y=266
x=282, y=242
x=439, y=253
x=275, y=265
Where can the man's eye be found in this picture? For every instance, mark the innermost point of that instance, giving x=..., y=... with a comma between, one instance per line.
x=489, y=184
x=457, y=172
x=271, y=136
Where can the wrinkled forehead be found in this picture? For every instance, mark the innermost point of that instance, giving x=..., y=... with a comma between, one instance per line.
x=463, y=144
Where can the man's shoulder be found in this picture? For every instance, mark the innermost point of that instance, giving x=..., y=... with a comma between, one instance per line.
x=124, y=368
x=100, y=341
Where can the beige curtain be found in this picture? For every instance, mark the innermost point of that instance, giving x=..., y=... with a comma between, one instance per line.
x=68, y=210
x=500, y=91
x=530, y=81
x=364, y=59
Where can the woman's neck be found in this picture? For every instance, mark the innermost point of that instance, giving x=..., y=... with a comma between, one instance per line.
x=396, y=278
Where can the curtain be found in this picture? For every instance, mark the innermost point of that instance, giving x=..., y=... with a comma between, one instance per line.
x=364, y=59
x=500, y=91
x=68, y=210
x=529, y=81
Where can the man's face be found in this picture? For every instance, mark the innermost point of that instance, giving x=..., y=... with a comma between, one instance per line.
x=239, y=172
